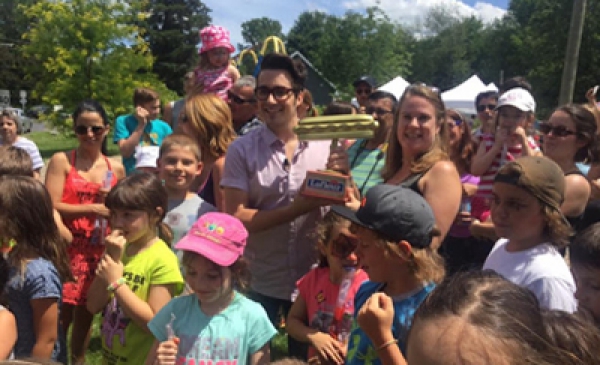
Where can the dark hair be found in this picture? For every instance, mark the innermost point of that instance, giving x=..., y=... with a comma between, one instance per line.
x=464, y=151
x=295, y=68
x=380, y=94
x=485, y=95
x=324, y=233
x=143, y=95
x=28, y=219
x=142, y=191
x=339, y=108
x=240, y=272
x=498, y=309
x=587, y=130
x=585, y=248
x=513, y=83
x=15, y=161
x=4, y=276
x=573, y=334
x=92, y=106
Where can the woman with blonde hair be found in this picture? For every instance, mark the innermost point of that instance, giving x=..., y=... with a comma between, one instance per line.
x=416, y=158
x=207, y=119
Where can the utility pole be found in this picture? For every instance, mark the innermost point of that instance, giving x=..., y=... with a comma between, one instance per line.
x=567, y=85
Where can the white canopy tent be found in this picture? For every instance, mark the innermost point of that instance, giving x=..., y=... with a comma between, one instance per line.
x=462, y=97
x=396, y=86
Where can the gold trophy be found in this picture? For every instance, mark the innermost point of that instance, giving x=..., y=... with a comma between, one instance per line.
x=332, y=185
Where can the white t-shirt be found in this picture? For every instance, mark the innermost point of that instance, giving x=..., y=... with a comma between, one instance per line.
x=541, y=269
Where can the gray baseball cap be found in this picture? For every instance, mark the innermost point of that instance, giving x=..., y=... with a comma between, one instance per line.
x=395, y=212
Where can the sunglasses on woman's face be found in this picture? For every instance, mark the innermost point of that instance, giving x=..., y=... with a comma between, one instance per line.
x=558, y=131
x=236, y=99
x=343, y=246
x=83, y=130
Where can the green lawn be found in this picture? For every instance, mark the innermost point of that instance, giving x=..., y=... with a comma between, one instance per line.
x=50, y=143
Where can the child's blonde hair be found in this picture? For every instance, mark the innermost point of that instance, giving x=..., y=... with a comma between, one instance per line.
x=425, y=264
x=179, y=140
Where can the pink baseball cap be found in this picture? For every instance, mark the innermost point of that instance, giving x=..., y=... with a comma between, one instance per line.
x=219, y=237
x=215, y=36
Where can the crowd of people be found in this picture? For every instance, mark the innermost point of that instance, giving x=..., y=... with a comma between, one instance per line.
x=449, y=247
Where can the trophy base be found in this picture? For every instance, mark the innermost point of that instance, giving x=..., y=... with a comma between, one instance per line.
x=326, y=184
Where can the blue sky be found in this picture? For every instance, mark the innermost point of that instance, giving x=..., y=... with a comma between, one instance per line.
x=232, y=13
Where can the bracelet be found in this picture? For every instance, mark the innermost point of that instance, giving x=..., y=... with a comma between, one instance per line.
x=387, y=344
x=114, y=286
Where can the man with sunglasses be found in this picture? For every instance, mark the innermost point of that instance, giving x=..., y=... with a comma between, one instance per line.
x=140, y=129
x=363, y=87
x=366, y=156
x=264, y=174
x=485, y=104
x=242, y=103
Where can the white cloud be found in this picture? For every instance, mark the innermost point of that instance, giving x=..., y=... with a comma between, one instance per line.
x=412, y=12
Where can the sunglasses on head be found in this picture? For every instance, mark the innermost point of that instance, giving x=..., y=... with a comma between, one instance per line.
x=558, y=131
x=82, y=129
x=236, y=99
x=343, y=246
x=484, y=107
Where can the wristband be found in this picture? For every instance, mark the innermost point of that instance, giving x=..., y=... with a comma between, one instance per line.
x=387, y=344
x=115, y=285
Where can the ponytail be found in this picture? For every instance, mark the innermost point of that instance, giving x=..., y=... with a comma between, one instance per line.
x=165, y=233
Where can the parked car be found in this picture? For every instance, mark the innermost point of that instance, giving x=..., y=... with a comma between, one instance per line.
x=26, y=122
x=37, y=110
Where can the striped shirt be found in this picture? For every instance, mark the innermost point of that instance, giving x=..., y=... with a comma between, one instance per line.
x=366, y=165
x=31, y=148
x=509, y=153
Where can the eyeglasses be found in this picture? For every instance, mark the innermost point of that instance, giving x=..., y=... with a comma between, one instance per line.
x=236, y=99
x=484, y=107
x=343, y=246
x=378, y=111
x=455, y=123
x=83, y=130
x=363, y=91
x=558, y=131
x=280, y=93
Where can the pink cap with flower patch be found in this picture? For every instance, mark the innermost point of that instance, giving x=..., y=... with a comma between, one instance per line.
x=219, y=237
x=215, y=36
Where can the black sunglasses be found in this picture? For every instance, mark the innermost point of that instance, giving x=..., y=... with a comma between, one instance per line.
x=280, y=93
x=343, y=246
x=236, y=99
x=484, y=107
x=378, y=111
x=558, y=131
x=82, y=129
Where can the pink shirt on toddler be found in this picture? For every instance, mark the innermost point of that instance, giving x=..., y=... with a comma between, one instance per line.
x=320, y=296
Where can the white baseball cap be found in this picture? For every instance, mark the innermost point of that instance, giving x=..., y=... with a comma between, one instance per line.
x=519, y=98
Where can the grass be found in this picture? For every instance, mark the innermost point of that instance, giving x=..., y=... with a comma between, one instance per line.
x=49, y=143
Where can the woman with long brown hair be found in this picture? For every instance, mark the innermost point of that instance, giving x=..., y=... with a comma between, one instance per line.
x=207, y=119
x=416, y=158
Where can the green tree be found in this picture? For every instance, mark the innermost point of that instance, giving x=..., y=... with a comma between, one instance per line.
x=255, y=31
x=13, y=24
x=343, y=48
x=171, y=31
x=103, y=57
